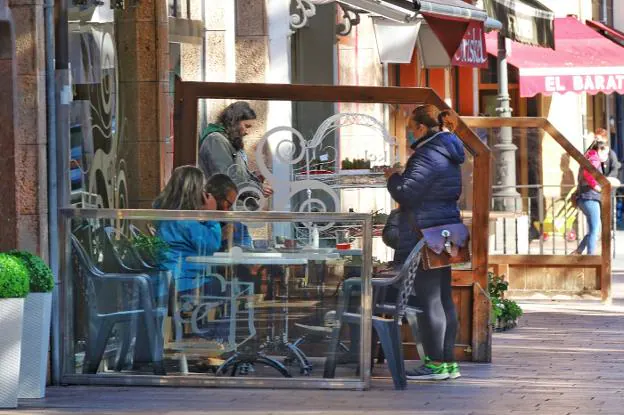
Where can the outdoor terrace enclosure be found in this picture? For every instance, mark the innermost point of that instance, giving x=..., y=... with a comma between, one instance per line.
x=469, y=283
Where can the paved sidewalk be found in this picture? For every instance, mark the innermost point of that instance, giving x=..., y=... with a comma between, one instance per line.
x=565, y=358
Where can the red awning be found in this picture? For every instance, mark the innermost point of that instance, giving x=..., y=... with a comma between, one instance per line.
x=584, y=61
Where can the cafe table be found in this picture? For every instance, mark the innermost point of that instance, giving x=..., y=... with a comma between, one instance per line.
x=286, y=258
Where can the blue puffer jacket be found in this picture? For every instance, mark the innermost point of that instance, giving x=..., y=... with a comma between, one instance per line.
x=188, y=238
x=429, y=188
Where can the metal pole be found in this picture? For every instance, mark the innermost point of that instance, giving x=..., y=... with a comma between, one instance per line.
x=62, y=98
x=505, y=148
x=604, y=19
x=604, y=13
x=53, y=250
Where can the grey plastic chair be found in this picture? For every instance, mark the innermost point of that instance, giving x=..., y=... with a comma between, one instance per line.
x=387, y=316
x=121, y=256
x=104, y=313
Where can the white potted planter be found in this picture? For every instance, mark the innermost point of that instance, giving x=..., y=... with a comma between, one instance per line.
x=36, y=327
x=14, y=285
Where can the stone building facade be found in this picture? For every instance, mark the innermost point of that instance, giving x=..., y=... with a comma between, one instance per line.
x=23, y=139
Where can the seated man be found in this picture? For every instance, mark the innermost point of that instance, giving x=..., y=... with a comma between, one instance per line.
x=225, y=193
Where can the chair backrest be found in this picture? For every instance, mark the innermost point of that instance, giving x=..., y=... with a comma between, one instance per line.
x=87, y=279
x=135, y=231
x=119, y=255
x=102, y=296
x=405, y=278
x=84, y=258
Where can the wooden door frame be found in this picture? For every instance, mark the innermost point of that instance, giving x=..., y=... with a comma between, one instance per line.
x=187, y=95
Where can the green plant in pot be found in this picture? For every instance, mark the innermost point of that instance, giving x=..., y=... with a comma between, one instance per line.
x=14, y=281
x=14, y=286
x=40, y=275
x=151, y=248
x=36, y=326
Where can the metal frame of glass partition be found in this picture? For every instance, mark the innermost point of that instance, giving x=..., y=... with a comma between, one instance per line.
x=66, y=301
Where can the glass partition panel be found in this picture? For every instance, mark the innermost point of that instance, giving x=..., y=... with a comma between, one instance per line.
x=532, y=211
x=327, y=157
x=157, y=294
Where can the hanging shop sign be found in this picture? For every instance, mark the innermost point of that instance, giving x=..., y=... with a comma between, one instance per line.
x=472, y=51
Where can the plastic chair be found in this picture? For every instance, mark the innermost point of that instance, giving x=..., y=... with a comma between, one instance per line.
x=126, y=259
x=104, y=312
x=388, y=327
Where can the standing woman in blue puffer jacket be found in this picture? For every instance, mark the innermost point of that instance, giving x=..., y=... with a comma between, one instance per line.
x=427, y=192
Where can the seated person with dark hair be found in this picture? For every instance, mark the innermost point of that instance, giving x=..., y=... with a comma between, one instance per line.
x=225, y=192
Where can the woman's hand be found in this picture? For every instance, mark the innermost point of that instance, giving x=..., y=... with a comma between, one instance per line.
x=267, y=190
x=390, y=172
x=210, y=203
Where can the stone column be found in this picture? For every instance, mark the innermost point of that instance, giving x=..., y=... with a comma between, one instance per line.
x=252, y=59
x=8, y=120
x=30, y=132
x=143, y=54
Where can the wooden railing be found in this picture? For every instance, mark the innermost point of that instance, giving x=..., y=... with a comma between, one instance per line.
x=501, y=262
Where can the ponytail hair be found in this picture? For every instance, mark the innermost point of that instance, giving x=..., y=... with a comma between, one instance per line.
x=431, y=117
x=448, y=119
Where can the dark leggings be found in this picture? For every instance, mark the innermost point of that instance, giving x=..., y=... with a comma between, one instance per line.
x=438, y=321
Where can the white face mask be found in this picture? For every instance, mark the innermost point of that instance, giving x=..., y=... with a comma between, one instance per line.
x=603, y=155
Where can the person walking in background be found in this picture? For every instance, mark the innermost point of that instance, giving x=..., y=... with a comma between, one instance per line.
x=222, y=148
x=611, y=166
x=588, y=197
x=428, y=192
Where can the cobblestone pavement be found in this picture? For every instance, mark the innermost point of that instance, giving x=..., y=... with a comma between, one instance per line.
x=565, y=358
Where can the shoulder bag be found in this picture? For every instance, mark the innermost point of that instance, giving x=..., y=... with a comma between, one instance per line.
x=445, y=245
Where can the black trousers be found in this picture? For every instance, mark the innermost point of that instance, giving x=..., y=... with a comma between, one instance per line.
x=438, y=321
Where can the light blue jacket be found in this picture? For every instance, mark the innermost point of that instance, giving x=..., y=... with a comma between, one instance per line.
x=188, y=238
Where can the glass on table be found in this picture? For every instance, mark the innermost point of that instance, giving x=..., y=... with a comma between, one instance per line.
x=343, y=242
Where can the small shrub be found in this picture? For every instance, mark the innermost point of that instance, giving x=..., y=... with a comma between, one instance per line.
x=14, y=281
x=504, y=311
x=512, y=311
x=41, y=277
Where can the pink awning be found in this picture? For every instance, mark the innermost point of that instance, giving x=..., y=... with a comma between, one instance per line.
x=584, y=61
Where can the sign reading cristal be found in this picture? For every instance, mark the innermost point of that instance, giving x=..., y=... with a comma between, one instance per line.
x=471, y=51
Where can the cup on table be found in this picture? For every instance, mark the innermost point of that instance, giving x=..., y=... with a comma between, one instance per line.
x=342, y=240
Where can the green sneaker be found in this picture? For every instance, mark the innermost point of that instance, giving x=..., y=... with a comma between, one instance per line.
x=453, y=370
x=428, y=371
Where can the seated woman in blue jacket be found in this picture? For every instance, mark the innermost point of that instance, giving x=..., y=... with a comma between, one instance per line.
x=185, y=191
x=427, y=192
